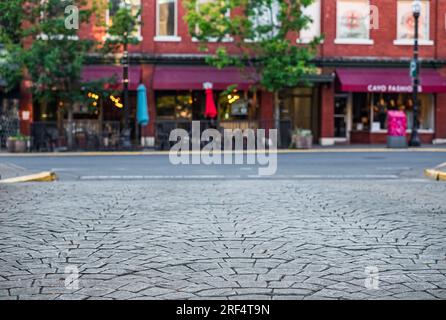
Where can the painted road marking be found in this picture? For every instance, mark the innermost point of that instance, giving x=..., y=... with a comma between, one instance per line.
x=229, y=177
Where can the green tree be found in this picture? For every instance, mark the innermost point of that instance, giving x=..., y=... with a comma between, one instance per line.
x=263, y=31
x=121, y=33
x=44, y=49
x=39, y=46
x=11, y=17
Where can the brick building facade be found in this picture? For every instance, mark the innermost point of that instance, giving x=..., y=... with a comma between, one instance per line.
x=363, y=72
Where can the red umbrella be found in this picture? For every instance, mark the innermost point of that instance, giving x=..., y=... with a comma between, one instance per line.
x=211, y=109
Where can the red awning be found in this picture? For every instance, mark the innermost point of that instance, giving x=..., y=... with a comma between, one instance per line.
x=94, y=73
x=192, y=78
x=388, y=80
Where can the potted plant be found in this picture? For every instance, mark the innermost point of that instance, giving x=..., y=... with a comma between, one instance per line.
x=10, y=144
x=21, y=143
x=18, y=143
x=302, y=139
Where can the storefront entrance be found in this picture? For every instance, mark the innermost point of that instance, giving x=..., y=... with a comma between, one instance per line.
x=176, y=109
x=341, y=117
x=368, y=95
x=300, y=110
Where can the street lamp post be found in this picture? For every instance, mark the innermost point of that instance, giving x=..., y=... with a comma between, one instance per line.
x=414, y=138
x=125, y=62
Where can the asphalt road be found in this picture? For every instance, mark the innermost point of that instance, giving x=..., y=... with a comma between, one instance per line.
x=319, y=165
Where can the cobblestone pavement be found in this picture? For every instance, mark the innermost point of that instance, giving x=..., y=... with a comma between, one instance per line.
x=236, y=239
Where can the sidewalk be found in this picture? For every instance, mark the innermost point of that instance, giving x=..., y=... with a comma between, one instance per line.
x=315, y=149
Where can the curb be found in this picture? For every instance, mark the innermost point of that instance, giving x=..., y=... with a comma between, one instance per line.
x=435, y=174
x=166, y=153
x=38, y=177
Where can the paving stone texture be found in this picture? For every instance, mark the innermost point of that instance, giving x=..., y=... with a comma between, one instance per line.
x=230, y=239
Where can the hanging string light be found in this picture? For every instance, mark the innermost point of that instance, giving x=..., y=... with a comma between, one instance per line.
x=117, y=102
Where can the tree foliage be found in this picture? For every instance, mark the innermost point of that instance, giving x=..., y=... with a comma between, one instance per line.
x=40, y=47
x=264, y=33
x=43, y=49
x=122, y=31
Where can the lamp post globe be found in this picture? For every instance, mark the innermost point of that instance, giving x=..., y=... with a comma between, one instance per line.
x=416, y=7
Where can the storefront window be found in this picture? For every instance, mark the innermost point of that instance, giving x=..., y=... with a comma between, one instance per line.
x=238, y=105
x=174, y=105
x=353, y=19
x=370, y=110
x=191, y=105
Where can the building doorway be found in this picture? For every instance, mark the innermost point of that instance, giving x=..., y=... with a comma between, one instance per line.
x=300, y=108
x=341, y=117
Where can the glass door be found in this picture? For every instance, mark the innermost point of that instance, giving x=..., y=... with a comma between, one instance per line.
x=340, y=117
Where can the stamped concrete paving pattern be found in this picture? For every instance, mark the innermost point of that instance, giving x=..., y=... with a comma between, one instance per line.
x=223, y=239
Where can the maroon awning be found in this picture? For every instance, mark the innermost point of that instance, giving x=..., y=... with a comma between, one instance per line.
x=388, y=80
x=95, y=73
x=192, y=78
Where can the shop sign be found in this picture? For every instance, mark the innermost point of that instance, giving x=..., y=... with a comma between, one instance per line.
x=239, y=108
x=390, y=88
x=25, y=115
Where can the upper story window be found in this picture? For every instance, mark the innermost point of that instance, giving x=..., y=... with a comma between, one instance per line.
x=201, y=7
x=113, y=7
x=266, y=16
x=406, y=23
x=314, y=28
x=353, y=22
x=167, y=17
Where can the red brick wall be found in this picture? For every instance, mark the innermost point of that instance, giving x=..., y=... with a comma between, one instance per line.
x=327, y=111
x=147, y=78
x=381, y=138
x=384, y=36
x=26, y=104
x=440, y=34
x=440, y=117
x=267, y=108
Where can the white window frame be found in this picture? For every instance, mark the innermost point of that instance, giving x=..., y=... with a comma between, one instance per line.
x=410, y=42
x=338, y=40
x=173, y=38
x=316, y=24
x=139, y=30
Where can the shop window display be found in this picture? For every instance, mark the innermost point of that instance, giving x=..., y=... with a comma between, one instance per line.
x=171, y=105
x=370, y=110
x=237, y=106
